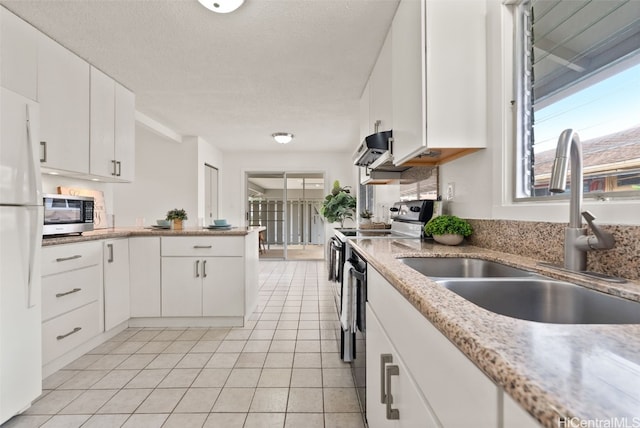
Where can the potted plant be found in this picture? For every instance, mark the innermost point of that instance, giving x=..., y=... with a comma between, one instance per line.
x=365, y=216
x=448, y=229
x=177, y=216
x=338, y=205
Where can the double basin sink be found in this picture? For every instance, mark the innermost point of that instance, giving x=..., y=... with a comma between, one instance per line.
x=521, y=294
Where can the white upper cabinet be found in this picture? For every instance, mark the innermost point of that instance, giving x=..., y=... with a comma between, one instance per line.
x=112, y=128
x=63, y=94
x=380, y=90
x=19, y=53
x=365, y=123
x=103, y=92
x=439, y=78
x=125, y=133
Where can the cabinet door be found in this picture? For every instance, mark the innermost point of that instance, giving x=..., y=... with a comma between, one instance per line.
x=181, y=287
x=116, y=282
x=223, y=286
x=103, y=162
x=144, y=274
x=408, y=98
x=19, y=53
x=63, y=94
x=380, y=89
x=412, y=407
x=125, y=129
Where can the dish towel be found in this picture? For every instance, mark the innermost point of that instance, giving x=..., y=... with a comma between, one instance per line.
x=346, y=317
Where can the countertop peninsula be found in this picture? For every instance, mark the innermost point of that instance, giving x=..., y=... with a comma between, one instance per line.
x=590, y=372
x=113, y=233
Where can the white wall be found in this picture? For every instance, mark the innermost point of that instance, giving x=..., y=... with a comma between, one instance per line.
x=334, y=165
x=483, y=180
x=166, y=178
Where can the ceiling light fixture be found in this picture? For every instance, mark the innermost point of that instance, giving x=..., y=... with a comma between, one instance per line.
x=282, y=137
x=221, y=6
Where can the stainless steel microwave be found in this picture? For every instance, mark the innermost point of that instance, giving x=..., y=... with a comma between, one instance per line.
x=66, y=214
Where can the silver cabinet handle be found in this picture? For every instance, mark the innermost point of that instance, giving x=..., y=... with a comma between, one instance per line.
x=197, y=268
x=384, y=359
x=43, y=144
x=75, y=290
x=113, y=162
x=204, y=268
x=202, y=247
x=64, y=259
x=110, y=247
x=119, y=165
x=62, y=336
x=391, y=370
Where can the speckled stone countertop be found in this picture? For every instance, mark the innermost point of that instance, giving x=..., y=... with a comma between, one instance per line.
x=127, y=232
x=591, y=372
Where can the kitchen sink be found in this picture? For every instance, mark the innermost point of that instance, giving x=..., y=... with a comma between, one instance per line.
x=546, y=300
x=462, y=267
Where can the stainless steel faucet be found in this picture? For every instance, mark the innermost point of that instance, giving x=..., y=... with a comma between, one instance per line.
x=576, y=241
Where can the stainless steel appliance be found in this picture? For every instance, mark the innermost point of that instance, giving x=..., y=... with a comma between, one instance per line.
x=65, y=214
x=347, y=270
x=20, y=244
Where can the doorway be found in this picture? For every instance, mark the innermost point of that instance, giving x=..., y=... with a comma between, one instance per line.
x=210, y=193
x=287, y=204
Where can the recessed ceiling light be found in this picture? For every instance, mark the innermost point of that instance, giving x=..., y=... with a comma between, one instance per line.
x=95, y=179
x=221, y=6
x=282, y=137
x=53, y=173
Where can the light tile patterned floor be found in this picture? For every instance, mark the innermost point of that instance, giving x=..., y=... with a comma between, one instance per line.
x=281, y=370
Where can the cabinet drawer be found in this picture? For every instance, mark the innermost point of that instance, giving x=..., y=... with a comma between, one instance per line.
x=62, y=334
x=231, y=246
x=62, y=258
x=448, y=379
x=66, y=291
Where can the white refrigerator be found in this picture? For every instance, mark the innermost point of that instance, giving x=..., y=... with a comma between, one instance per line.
x=20, y=244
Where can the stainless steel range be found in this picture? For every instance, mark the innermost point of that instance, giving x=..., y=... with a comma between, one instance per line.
x=348, y=272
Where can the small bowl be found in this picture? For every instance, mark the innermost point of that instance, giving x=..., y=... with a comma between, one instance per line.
x=164, y=223
x=220, y=222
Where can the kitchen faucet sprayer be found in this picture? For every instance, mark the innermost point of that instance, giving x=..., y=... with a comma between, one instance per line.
x=576, y=243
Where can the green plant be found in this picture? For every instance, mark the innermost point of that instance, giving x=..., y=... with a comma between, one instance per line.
x=366, y=214
x=177, y=214
x=338, y=205
x=448, y=224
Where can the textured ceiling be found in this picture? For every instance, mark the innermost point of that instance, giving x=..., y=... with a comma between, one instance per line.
x=273, y=65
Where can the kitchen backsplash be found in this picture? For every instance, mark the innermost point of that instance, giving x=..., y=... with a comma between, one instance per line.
x=545, y=241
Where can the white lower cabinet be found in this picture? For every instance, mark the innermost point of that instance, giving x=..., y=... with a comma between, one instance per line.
x=457, y=392
x=72, y=304
x=202, y=286
x=144, y=274
x=203, y=276
x=393, y=398
x=116, y=282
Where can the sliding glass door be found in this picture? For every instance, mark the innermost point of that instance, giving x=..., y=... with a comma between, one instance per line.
x=287, y=204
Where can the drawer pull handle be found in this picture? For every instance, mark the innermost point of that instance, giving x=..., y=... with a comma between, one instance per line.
x=202, y=247
x=392, y=370
x=384, y=359
x=75, y=330
x=64, y=259
x=75, y=290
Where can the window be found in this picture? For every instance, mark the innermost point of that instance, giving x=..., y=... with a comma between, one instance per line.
x=578, y=65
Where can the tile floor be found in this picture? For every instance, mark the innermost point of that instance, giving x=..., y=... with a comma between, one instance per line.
x=280, y=370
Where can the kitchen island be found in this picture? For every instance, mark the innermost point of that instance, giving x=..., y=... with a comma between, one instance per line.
x=555, y=372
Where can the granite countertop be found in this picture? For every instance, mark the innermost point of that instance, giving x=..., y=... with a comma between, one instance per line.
x=136, y=231
x=591, y=372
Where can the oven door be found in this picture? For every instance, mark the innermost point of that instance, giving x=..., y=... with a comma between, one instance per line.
x=358, y=363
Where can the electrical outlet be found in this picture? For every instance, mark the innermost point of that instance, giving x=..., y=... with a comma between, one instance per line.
x=451, y=191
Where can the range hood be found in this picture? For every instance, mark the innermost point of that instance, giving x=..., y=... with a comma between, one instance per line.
x=372, y=148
